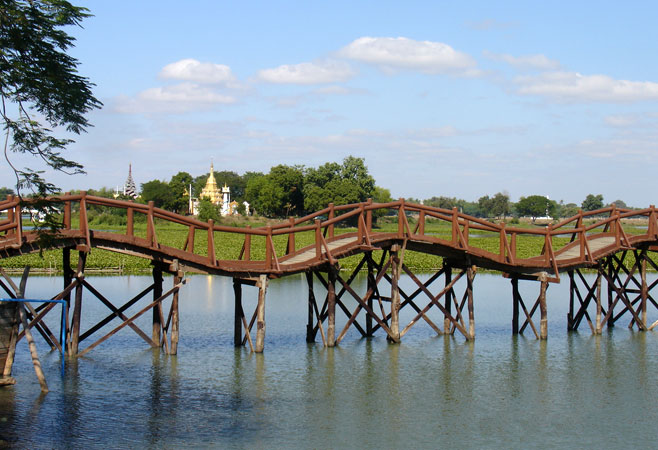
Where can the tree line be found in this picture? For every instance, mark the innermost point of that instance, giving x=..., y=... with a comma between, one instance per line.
x=297, y=190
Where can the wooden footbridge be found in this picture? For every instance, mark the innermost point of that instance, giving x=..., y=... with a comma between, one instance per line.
x=608, y=240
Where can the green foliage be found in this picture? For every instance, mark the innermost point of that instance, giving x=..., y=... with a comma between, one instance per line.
x=42, y=83
x=340, y=184
x=208, y=210
x=568, y=210
x=592, y=202
x=620, y=204
x=179, y=198
x=5, y=191
x=536, y=206
x=279, y=193
x=498, y=206
x=158, y=192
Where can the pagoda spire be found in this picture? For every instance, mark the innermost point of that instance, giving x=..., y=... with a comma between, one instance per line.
x=130, y=189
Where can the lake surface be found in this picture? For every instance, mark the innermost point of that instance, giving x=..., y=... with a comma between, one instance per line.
x=501, y=391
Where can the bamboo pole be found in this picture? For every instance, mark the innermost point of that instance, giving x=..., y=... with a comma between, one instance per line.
x=543, y=322
x=260, y=319
x=33, y=349
x=395, y=294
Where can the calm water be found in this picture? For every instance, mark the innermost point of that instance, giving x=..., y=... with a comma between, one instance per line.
x=575, y=390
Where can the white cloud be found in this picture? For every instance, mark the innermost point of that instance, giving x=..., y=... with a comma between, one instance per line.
x=178, y=98
x=524, y=62
x=308, y=73
x=621, y=120
x=403, y=53
x=574, y=87
x=186, y=93
x=196, y=71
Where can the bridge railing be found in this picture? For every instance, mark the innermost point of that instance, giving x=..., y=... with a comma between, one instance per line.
x=462, y=233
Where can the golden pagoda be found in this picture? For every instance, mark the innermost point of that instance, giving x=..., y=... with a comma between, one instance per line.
x=211, y=191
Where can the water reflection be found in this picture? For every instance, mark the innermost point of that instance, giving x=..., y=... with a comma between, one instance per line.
x=430, y=391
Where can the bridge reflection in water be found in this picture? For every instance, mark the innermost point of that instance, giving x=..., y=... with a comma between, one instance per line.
x=602, y=241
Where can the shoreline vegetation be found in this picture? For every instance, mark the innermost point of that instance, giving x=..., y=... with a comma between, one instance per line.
x=228, y=246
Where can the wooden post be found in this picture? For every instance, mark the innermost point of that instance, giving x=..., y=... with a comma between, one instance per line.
x=77, y=308
x=515, y=305
x=310, y=325
x=597, y=329
x=237, y=317
x=395, y=293
x=130, y=223
x=291, y=236
x=470, y=275
x=157, y=293
x=13, y=321
x=260, y=314
x=33, y=349
x=543, y=322
x=175, y=318
x=331, y=308
x=68, y=278
x=611, y=272
x=371, y=287
x=572, y=297
x=330, y=228
x=645, y=293
x=447, y=305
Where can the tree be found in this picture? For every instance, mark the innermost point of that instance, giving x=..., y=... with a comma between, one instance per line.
x=344, y=183
x=179, y=186
x=156, y=191
x=568, y=210
x=208, y=210
x=5, y=191
x=592, y=202
x=40, y=88
x=279, y=193
x=620, y=204
x=536, y=206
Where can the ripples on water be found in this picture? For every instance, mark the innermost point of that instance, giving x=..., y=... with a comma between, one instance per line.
x=575, y=390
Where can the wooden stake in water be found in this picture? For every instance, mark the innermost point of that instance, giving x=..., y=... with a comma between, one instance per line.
x=260, y=318
x=33, y=349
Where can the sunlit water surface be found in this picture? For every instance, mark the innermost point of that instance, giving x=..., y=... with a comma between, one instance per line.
x=574, y=390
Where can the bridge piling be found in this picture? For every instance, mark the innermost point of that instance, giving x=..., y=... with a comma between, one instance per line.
x=238, y=313
x=395, y=295
x=515, y=305
x=156, y=335
x=331, y=308
x=260, y=314
x=543, y=321
x=77, y=308
x=470, y=276
x=175, y=317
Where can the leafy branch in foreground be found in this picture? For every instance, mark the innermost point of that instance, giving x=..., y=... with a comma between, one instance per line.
x=40, y=88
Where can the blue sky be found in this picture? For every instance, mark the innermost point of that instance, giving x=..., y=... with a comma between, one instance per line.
x=458, y=99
